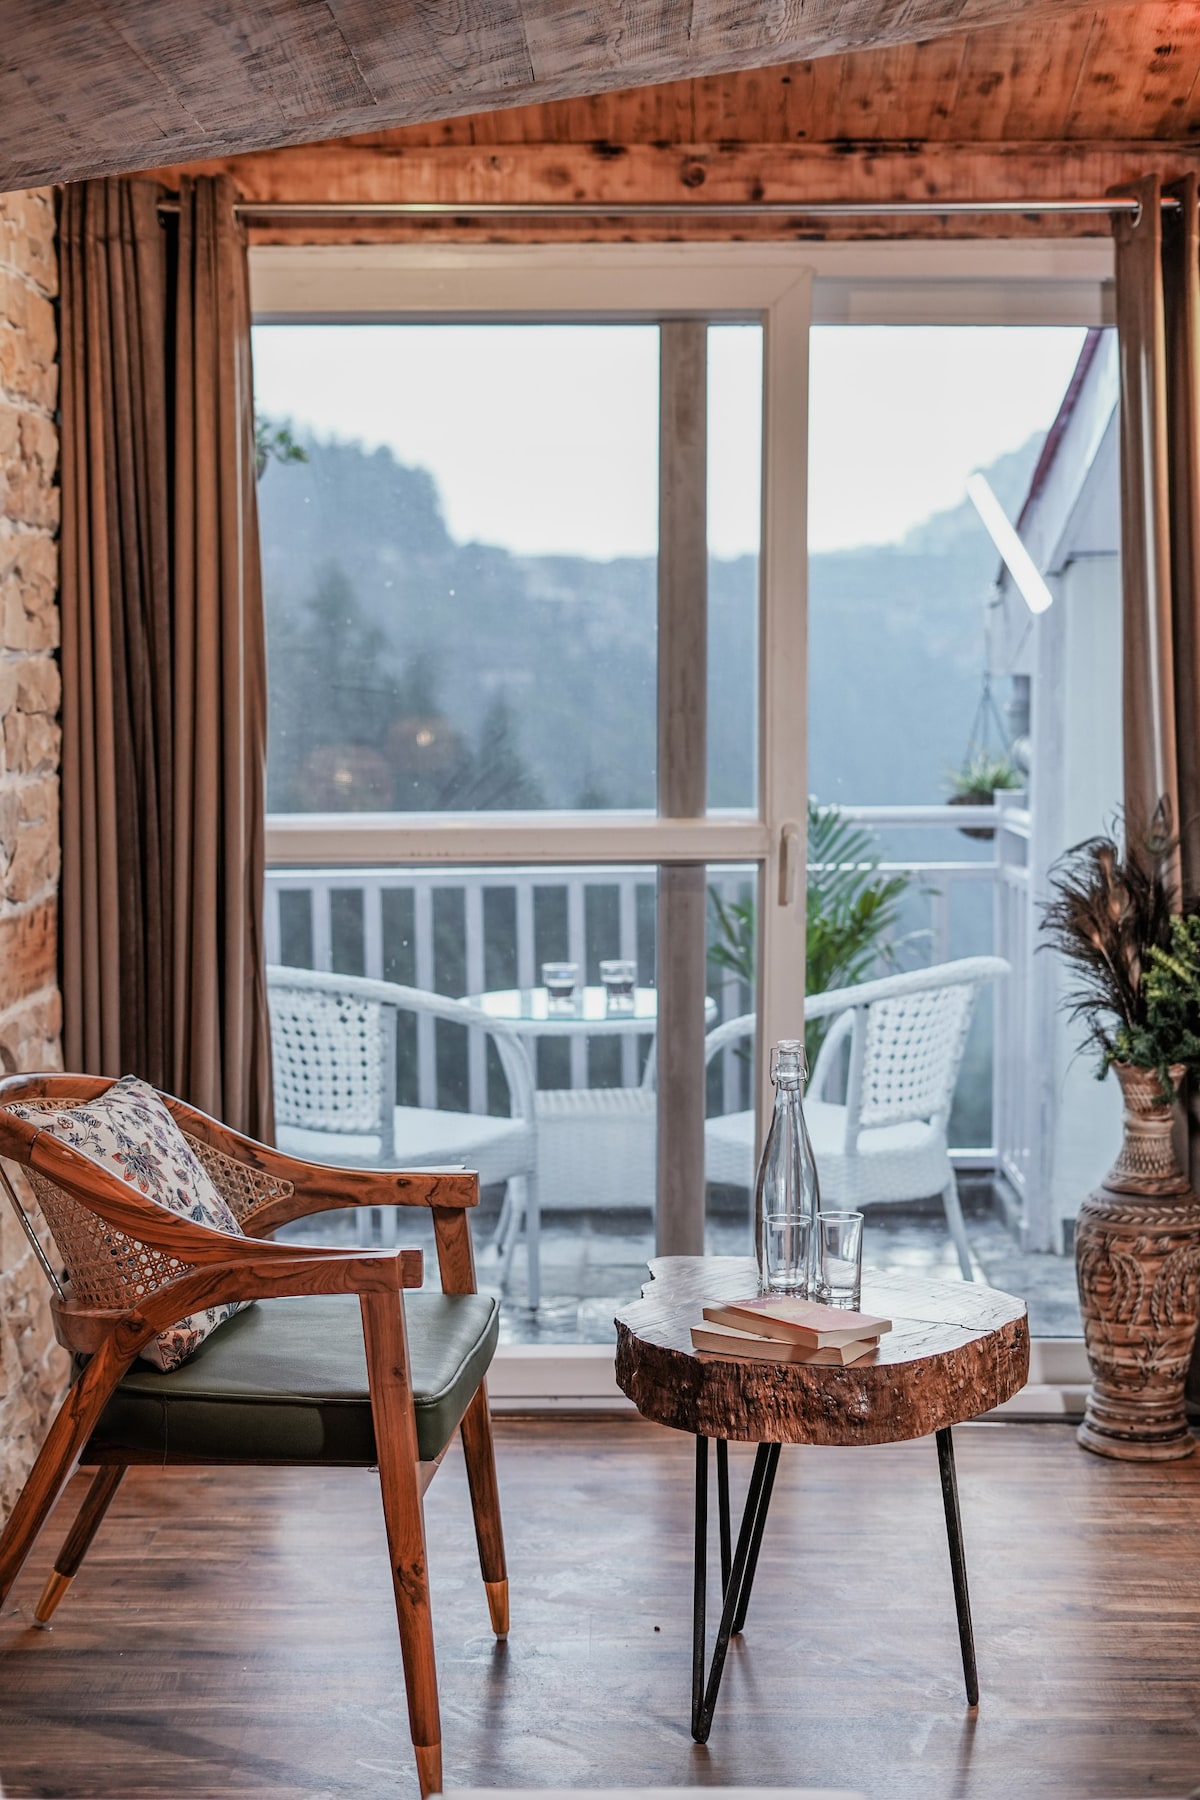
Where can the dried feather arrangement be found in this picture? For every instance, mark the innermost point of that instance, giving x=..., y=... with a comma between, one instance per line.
x=1110, y=918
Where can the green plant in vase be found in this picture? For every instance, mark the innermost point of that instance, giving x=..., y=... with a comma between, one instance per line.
x=1110, y=919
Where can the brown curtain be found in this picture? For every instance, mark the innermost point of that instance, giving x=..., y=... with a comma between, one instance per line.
x=164, y=670
x=1158, y=321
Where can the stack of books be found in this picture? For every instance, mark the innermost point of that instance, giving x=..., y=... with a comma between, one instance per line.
x=778, y=1328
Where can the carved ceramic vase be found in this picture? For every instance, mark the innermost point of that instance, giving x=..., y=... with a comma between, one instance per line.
x=1137, y=1258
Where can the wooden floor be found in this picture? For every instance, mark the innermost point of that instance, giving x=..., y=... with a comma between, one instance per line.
x=233, y=1634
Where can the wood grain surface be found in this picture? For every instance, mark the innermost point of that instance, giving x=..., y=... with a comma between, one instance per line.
x=955, y=1350
x=1054, y=110
x=232, y=1635
x=89, y=90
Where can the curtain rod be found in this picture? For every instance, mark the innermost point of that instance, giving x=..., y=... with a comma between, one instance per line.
x=640, y=209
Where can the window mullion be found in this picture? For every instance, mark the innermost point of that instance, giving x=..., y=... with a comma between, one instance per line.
x=682, y=779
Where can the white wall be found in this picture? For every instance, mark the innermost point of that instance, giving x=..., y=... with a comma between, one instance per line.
x=1088, y=1113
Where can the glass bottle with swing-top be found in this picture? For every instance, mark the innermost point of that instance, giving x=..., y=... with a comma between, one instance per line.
x=787, y=1194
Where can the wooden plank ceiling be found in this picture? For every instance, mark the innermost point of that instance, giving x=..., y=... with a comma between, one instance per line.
x=1060, y=107
x=88, y=87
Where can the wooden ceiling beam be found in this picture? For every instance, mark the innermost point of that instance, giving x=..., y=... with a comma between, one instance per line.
x=91, y=90
x=559, y=174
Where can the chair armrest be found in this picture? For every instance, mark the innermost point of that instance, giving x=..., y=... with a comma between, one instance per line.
x=317, y=1189
x=842, y=1026
x=721, y=1036
x=323, y=1187
x=204, y=1246
x=89, y=1330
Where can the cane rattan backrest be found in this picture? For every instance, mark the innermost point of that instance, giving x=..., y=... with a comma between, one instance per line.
x=108, y=1269
x=111, y=1270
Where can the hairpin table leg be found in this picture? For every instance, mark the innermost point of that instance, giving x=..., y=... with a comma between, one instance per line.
x=958, y=1563
x=760, y=1520
x=723, y=1510
x=737, y=1589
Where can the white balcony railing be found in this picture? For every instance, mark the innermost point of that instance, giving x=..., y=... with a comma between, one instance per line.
x=438, y=928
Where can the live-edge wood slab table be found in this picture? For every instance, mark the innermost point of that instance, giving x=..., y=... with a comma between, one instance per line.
x=955, y=1350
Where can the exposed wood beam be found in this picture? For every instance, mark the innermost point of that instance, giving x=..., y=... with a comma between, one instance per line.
x=620, y=175
x=87, y=89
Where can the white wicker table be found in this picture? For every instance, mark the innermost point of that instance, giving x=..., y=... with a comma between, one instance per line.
x=596, y=1145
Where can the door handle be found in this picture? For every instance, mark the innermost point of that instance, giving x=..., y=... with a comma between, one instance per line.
x=789, y=860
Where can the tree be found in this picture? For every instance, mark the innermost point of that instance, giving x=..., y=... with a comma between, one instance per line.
x=500, y=778
x=332, y=700
x=274, y=443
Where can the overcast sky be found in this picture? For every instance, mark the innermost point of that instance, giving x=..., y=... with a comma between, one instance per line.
x=545, y=438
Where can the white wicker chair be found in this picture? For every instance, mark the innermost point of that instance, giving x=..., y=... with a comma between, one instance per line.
x=887, y=1142
x=333, y=1044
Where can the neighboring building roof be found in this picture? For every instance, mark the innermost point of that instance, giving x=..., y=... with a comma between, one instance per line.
x=1070, y=508
x=1062, y=419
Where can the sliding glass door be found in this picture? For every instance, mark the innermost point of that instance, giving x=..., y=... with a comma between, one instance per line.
x=535, y=611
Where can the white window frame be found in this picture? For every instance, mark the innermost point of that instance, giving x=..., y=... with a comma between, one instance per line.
x=772, y=285
x=1034, y=282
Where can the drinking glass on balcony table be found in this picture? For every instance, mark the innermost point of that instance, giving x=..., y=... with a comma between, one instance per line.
x=618, y=976
x=561, y=980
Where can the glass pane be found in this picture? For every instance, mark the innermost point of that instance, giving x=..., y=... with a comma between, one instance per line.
x=734, y=529
x=730, y=1061
x=580, y=1114
x=460, y=535
x=933, y=685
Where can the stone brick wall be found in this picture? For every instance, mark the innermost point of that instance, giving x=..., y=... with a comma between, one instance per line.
x=32, y=1369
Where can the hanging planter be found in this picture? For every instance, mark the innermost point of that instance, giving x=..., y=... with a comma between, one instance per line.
x=984, y=768
x=977, y=783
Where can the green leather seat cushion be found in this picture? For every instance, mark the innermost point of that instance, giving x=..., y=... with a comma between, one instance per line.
x=286, y=1381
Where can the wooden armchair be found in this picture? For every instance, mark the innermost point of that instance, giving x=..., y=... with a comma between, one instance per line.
x=312, y=1378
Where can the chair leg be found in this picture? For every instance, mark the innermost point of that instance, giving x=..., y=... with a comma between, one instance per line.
x=514, y=1206
x=958, y=1230
x=68, y=1434
x=500, y=1238
x=480, y=1454
x=396, y=1442
x=78, y=1542
x=533, y=1244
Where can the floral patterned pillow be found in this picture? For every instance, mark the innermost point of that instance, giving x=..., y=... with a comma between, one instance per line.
x=129, y=1132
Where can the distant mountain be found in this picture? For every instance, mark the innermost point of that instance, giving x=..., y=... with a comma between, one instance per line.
x=410, y=670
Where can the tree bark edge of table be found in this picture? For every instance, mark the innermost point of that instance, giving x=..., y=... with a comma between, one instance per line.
x=887, y=1401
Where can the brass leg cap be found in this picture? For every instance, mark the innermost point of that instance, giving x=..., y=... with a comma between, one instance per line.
x=429, y=1768
x=497, y=1599
x=52, y=1593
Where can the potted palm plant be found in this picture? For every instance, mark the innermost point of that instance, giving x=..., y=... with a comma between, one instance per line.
x=852, y=910
x=1135, y=966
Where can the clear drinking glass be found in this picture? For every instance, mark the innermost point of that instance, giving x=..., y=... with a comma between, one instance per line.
x=561, y=981
x=618, y=977
x=785, y=1252
x=839, y=1259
